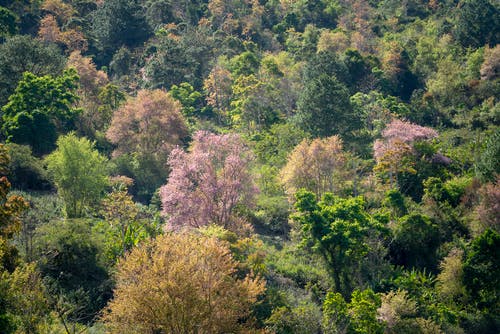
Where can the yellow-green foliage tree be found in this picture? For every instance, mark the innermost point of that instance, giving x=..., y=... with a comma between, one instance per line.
x=181, y=283
x=27, y=299
x=79, y=172
x=123, y=225
x=315, y=165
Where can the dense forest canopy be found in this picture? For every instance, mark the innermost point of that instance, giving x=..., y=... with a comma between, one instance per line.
x=249, y=166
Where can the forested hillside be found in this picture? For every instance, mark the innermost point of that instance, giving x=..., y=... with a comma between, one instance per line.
x=249, y=166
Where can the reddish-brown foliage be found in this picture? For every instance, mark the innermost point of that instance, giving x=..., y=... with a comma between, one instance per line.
x=150, y=124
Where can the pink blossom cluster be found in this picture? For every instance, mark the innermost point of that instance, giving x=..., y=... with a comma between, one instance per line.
x=408, y=132
x=207, y=183
x=400, y=133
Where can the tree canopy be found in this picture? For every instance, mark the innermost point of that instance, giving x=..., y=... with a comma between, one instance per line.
x=208, y=183
x=80, y=173
x=190, y=280
x=39, y=109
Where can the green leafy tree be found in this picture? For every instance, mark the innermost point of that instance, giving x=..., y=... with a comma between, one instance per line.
x=376, y=110
x=190, y=98
x=339, y=230
x=360, y=70
x=481, y=273
x=8, y=26
x=262, y=95
x=363, y=311
x=477, y=23
x=179, y=56
x=20, y=54
x=35, y=130
x=396, y=202
x=449, y=192
x=420, y=285
x=324, y=108
x=329, y=63
x=335, y=314
x=358, y=316
x=110, y=97
x=274, y=145
x=119, y=22
x=443, y=201
x=304, y=318
x=69, y=257
x=79, y=172
x=121, y=63
x=245, y=64
x=252, y=106
x=26, y=171
x=39, y=108
x=123, y=225
x=415, y=242
x=43, y=208
x=301, y=44
x=488, y=166
x=167, y=66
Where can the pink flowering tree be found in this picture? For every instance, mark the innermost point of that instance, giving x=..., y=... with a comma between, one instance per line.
x=394, y=152
x=207, y=184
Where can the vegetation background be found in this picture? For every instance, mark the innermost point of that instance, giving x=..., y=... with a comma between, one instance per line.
x=249, y=166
